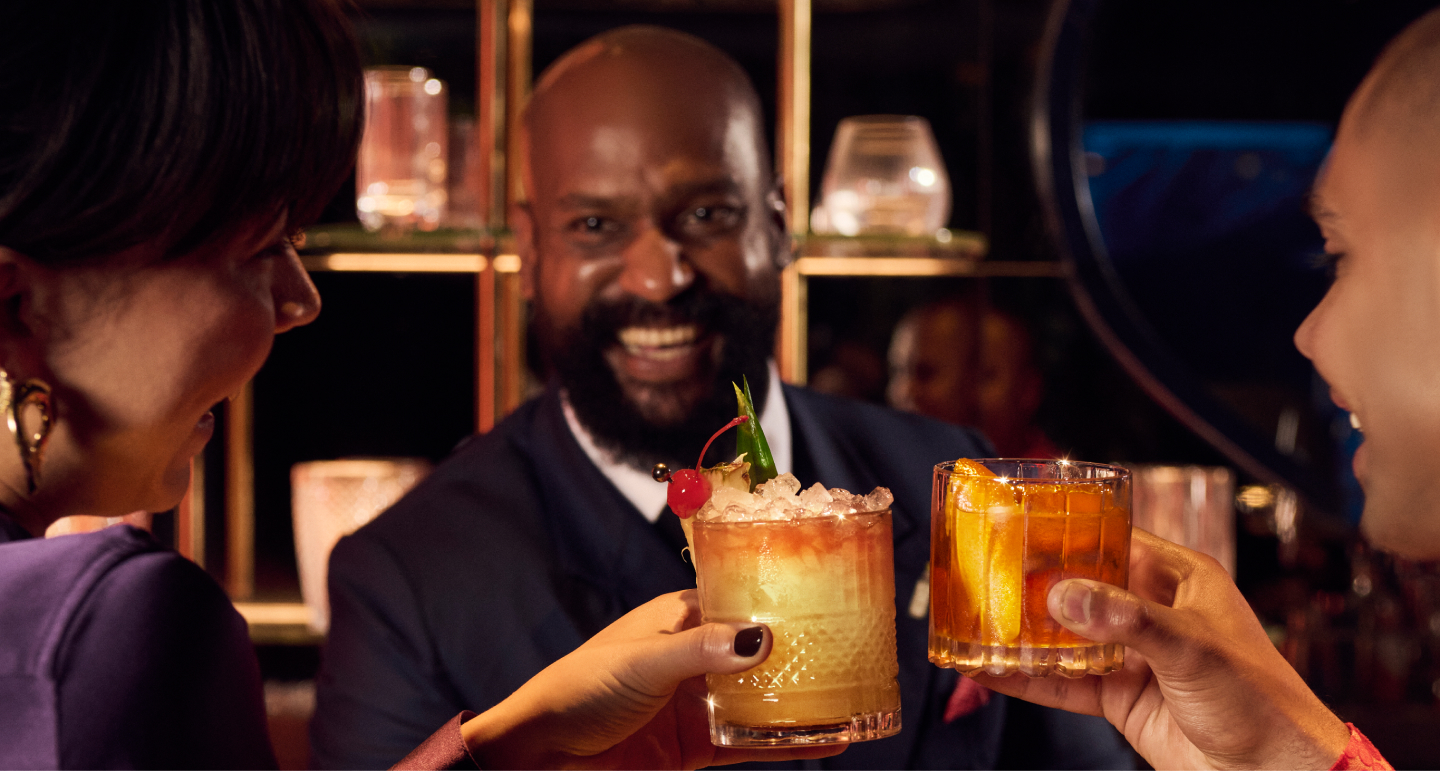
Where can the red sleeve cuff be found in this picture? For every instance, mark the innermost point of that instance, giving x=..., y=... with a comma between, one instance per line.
x=445, y=749
x=1360, y=754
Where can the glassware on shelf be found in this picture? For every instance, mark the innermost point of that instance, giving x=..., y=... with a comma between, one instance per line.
x=1193, y=506
x=333, y=498
x=400, y=173
x=465, y=185
x=884, y=177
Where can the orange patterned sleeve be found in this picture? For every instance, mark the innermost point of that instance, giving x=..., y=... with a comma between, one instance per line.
x=1360, y=754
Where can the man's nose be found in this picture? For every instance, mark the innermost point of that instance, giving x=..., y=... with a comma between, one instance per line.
x=655, y=269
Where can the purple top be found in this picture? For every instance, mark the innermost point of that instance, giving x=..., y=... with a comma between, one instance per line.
x=118, y=653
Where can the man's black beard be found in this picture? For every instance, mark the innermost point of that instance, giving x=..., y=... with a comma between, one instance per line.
x=577, y=357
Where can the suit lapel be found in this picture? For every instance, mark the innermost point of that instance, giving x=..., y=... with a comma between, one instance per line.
x=601, y=539
x=828, y=456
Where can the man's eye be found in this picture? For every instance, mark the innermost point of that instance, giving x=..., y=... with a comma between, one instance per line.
x=593, y=225
x=723, y=216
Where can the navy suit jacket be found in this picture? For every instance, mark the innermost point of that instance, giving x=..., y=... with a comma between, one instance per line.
x=517, y=549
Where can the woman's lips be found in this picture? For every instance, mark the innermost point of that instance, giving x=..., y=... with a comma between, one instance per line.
x=204, y=429
x=1360, y=464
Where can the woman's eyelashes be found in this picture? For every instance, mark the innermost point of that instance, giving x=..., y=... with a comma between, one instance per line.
x=1328, y=261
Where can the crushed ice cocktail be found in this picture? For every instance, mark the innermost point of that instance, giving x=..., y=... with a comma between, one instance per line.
x=1003, y=532
x=818, y=568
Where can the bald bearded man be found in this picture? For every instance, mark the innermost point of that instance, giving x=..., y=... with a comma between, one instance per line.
x=653, y=241
x=1209, y=689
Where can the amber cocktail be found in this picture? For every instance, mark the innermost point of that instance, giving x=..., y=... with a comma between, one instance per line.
x=823, y=578
x=1003, y=532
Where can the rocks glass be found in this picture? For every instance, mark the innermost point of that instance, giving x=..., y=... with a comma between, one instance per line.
x=1000, y=542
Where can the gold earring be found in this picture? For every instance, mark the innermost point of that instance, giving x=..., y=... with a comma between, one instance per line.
x=28, y=417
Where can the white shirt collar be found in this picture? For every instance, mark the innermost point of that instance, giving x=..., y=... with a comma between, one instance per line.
x=645, y=493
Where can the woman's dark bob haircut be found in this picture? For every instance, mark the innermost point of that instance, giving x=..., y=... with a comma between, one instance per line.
x=169, y=121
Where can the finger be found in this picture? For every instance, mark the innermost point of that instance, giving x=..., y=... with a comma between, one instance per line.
x=1109, y=614
x=660, y=663
x=667, y=613
x=724, y=756
x=1157, y=566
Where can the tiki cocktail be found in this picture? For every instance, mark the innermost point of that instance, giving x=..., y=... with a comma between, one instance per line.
x=818, y=569
x=1002, y=534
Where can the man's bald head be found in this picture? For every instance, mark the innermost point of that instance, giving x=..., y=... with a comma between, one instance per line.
x=648, y=69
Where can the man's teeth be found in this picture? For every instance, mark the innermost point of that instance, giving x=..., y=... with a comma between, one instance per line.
x=1355, y=422
x=658, y=337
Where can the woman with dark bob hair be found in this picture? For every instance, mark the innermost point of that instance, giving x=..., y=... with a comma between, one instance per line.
x=155, y=160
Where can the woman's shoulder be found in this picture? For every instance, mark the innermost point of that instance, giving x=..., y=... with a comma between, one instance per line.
x=124, y=654
x=46, y=583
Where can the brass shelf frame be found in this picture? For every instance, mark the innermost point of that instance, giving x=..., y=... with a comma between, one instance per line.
x=499, y=314
x=793, y=342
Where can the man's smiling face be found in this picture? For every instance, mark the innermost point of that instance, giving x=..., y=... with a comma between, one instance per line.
x=655, y=238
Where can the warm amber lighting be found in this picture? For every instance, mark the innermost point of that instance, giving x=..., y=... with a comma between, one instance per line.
x=1252, y=497
x=507, y=263
x=396, y=263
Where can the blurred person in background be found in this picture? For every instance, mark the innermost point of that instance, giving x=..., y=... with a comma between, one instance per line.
x=971, y=365
x=1203, y=686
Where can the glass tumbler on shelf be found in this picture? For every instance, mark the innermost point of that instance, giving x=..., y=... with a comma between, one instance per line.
x=1003, y=533
x=884, y=177
x=333, y=498
x=400, y=173
x=1193, y=506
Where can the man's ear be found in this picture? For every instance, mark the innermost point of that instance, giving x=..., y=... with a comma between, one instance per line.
x=522, y=224
x=778, y=211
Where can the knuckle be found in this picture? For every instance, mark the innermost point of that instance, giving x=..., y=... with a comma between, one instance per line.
x=714, y=643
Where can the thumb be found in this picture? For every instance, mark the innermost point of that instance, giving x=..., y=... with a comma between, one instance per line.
x=1109, y=614
x=707, y=649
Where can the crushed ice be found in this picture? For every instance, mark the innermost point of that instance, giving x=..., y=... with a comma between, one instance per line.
x=782, y=499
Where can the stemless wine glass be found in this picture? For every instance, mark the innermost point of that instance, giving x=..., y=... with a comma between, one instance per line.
x=884, y=177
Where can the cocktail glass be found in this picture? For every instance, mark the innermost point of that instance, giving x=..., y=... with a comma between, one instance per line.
x=825, y=585
x=999, y=543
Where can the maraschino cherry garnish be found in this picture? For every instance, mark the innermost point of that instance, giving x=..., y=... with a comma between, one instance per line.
x=689, y=490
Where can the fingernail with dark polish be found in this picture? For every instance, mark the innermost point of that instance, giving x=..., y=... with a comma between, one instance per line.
x=747, y=641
